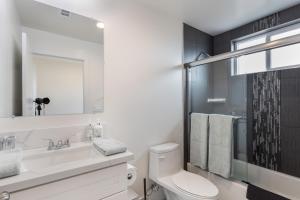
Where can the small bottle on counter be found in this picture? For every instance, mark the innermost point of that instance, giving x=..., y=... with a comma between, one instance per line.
x=90, y=132
x=98, y=130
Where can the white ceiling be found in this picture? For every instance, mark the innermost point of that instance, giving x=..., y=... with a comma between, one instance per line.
x=211, y=16
x=217, y=16
x=43, y=17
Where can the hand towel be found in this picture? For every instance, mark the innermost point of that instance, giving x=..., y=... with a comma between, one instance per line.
x=9, y=169
x=220, y=144
x=10, y=164
x=109, y=146
x=199, y=140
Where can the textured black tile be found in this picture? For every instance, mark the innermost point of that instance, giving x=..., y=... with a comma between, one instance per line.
x=261, y=132
x=290, y=149
x=290, y=88
x=290, y=73
x=265, y=119
x=249, y=118
x=290, y=112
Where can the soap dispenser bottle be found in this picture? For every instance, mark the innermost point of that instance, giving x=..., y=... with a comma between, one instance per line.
x=98, y=130
x=90, y=132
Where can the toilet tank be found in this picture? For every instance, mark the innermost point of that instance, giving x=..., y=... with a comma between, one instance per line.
x=165, y=160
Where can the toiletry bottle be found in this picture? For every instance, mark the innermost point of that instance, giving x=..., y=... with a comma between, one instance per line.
x=90, y=132
x=98, y=130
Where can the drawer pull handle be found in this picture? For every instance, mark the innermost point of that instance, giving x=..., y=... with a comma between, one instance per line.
x=5, y=196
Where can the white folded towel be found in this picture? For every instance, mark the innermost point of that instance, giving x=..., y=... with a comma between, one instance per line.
x=199, y=140
x=10, y=164
x=109, y=146
x=220, y=144
x=10, y=169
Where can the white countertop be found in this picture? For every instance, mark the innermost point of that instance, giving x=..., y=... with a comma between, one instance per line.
x=28, y=179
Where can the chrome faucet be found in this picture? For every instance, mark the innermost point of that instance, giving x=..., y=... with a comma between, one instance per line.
x=7, y=143
x=1, y=144
x=60, y=144
x=11, y=142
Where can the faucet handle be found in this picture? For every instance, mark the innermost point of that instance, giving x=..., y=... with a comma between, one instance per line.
x=50, y=143
x=10, y=142
x=2, y=141
x=67, y=142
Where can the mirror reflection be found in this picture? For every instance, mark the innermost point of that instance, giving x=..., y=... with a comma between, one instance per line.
x=51, y=64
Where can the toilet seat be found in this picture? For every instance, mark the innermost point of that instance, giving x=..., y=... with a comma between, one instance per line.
x=194, y=185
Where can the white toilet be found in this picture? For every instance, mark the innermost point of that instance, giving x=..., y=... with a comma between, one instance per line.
x=165, y=170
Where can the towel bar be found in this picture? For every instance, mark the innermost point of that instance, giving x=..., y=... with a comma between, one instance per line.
x=217, y=100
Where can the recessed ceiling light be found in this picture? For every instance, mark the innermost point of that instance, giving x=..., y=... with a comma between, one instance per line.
x=100, y=25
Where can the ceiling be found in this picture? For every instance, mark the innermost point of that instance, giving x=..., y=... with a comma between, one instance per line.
x=211, y=16
x=43, y=17
x=218, y=16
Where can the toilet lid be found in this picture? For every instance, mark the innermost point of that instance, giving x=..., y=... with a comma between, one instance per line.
x=195, y=184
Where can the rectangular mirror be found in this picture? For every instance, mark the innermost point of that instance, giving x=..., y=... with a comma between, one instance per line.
x=51, y=61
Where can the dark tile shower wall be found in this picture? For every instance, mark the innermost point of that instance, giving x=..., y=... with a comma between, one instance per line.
x=290, y=122
x=195, y=43
x=273, y=126
x=264, y=119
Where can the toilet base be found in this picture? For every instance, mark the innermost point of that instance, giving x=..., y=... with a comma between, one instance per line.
x=172, y=196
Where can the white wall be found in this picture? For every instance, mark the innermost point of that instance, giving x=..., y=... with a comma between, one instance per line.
x=61, y=80
x=10, y=69
x=28, y=78
x=92, y=54
x=143, y=85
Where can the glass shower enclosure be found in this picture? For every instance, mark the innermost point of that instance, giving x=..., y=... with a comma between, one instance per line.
x=265, y=101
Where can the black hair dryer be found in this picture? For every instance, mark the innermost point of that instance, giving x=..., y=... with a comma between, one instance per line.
x=38, y=105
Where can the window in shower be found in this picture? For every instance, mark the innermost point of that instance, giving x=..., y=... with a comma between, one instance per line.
x=284, y=57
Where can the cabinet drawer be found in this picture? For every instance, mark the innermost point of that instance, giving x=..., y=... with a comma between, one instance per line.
x=92, y=186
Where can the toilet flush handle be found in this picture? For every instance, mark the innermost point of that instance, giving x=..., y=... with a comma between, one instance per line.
x=161, y=157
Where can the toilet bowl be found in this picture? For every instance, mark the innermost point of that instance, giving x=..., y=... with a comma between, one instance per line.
x=165, y=169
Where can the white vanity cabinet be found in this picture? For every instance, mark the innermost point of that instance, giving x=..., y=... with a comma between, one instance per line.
x=107, y=184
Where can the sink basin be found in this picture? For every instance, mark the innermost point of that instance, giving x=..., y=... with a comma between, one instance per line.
x=43, y=159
